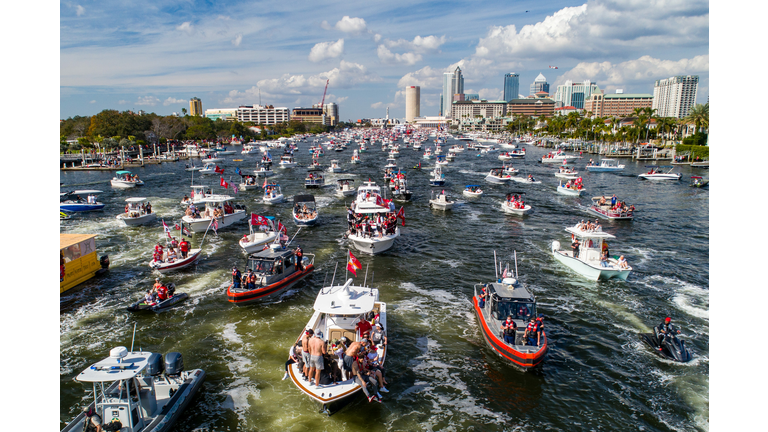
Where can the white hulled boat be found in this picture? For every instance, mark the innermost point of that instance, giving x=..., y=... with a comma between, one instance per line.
x=617, y=211
x=557, y=157
x=656, y=173
x=441, y=202
x=264, y=169
x=370, y=203
x=314, y=179
x=335, y=168
x=216, y=207
x=287, y=161
x=588, y=263
x=255, y=240
x=566, y=172
x=249, y=182
x=124, y=180
x=273, y=194
x=515, y=204
x=605, y=165
x=472, y=191
x=344, y=187
x=572, y=188
x=209, y=168
x=136, y=212
x=304, y=210
x=498, y=176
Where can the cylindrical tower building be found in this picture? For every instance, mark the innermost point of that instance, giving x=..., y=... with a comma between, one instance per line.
x=412, y=103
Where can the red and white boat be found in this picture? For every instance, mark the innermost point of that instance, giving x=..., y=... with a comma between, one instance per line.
x=276, y=271
x=165, y=266
x=618, y=211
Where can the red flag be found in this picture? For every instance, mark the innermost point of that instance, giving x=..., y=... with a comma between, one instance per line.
x=223, y=183
x=265, y=183
x=353, y=264
x=219, y=170
x=380, y=201
x=216, y=226
x=401, y=214
x=281, y=228
x=176, y=227
x=258, y=220
x=185, y=230
x=166, y=229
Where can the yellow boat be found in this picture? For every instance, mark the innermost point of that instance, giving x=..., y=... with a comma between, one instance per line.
x=77, y=260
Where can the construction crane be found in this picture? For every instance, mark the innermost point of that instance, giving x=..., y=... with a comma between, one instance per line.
x=326, y=89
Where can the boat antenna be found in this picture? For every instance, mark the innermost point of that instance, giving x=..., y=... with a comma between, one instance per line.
x=346, y=269
x=366, y=273
x=517, y=275
x=334, y=274
x=134, y=336
x=495, y=267
x=294, y=236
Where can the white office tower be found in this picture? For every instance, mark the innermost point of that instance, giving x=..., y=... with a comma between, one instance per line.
x=675, y=96
x=453, y=84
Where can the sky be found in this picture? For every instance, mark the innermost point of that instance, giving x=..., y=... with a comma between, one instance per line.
x=156, y=55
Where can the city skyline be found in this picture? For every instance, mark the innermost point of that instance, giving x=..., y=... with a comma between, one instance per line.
x=157, y=56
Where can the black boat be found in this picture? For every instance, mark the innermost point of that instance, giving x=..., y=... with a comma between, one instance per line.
x=673, y=348
x=173, y=299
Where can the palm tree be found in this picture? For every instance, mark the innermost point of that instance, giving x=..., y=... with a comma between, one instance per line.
x=649, y=112
x=699, y=116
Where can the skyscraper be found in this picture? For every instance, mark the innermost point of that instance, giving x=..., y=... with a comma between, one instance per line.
x=539, y=84
x=453, y=84
x=675, y=96
x=574, y=94
x=511, y=86
x=412, y=102
x=195, y=107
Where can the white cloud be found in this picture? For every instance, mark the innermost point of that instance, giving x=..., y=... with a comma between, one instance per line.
x=148, y=100
x=185, y=26
x=122, y=102
x=93, y=101
x=351, y=25
x=388, y=56
x=379, y=105
x=80, y=10
x=326, y=50
x=490, y=94
x=418, y=44
x=236, y=41
x=341, y=99
x=425, y=78
x=376, y=37
x=172, y=100
x=325, y=25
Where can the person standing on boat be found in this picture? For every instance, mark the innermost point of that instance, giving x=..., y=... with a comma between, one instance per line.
x=510, y=330
x=236, y=277
x=575, y=247
x=299, y=255
x=184, y=247
x=531, y=335
x=304, y=344
x=316, y=351
x=613, y=200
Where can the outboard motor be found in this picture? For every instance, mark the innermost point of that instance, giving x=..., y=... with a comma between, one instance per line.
x=155, y=364
x=104, y=261
x=171, y=289
x=174, y=363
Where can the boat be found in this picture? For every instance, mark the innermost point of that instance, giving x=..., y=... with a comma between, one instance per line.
x=369, y=204
x=163, y=264
x=228, y=214
x=589, y=263
x=672, y=348
x=275, y=271
x=574, y=188
x=171, y=300
x=211, y=158
x=355, y=156
x=257, y=240
x=337, y=310
x=456, y=149
x=493, y=303
x=656, y=173
x=273, y=194
x=700, y=164
x=287, y=161
x=557, y=157
x=399, y=186
x=472, y=191
x=427, y=153
x=139, y=390
x=248, y=182
x=344, y=187
x=264, y=169
x=505, y=156
x=222, y=151
x=518, y=153
x=498, y=176
x=64, y=216
x=249, y=149
x=605, y=165
x=566, y=172
x=391, y=164
x=78, y=261
x=441, y=202
x=699, y=182
x=124, y=180
x=209, y=168
x=197, y=195
x=314, y=179
x=438, y=178
x=136, y=212
x=509, y=169
x=335, y=168
x=304, y=210
x=515, y=204
x=440, y=160
x=73, y=202
x=618, y=211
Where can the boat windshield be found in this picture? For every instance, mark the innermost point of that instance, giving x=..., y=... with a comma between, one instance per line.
x=518, y=310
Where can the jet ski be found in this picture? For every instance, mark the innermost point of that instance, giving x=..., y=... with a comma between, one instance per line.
x=173, y=299
x=673, y=348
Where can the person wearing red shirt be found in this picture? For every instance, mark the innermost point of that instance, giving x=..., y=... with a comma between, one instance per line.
x=184, y=246
x=364, y=327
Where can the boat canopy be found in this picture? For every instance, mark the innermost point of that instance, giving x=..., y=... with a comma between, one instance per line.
x=344, y=179
x=216, y=198
x=123, y=172
x=346, y=299
x=589, y=234
x=303, y=198
x=115, y=368
x=135, y=200
x=78, y=192
x=696, y=177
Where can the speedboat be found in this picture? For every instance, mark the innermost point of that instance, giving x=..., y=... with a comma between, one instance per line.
x=456, y=149
x=219, y=211
x=211, y=158
x=570, y=188
x=440, y=160
x=355, y=157
x=518, y=153
x=173, y=298
x=656, y=173
x=273, y=194
x=498, y=176
x=256, y=239
x=699, y=182
x=391, y=164
x=209, y=168
x=427, y=153
x=472, y=191
x=515, y=204
x=617, y=211
x=605, y=165
x=399, y=186
x=493, y=303
x=557, y=157
x=73, y=202
x=304, y=210
x=588, y=262
x=163, y=264
x=136, y=212
x=287, y=161
x=139, y=390
x=335, y=168
x=344, y=187
x=438, y=178
x=124, y=180
x=370, y=204
x=197, y=195
x=566, y=172
x=222, y=151
x=504, y=156
x=672, y=347
x=249, y=149
x=264, y=169
x=248, y=182
x=337, y=309
x=276, y=271
x=314, y=179
x=441, y=202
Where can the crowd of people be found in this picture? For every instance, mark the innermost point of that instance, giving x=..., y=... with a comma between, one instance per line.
x=158, y=293
x=515, y=201
x=218, y=212
x=302, y=212
x=574, y=184
x=173, y=251
x=143, y=209
x=369, y=226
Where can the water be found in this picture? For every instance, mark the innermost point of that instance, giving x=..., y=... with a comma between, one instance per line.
x=598, y=375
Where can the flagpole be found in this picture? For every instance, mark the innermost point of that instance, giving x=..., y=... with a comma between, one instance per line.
x=294, y=236
x=346, y=271
x=206, y=233
x=496, y=269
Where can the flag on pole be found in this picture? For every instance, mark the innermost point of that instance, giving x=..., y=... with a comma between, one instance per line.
x=176, y=227
x=234, y=187
x=216, y=226
x=237, y=171
x=401, y=214
x=218, y=170
x=223, y=183
x=504, y=274
x=258, y=220
x=281, y=228
x=166, y=229
x=185, y=230
x=353, y=264
x=265, y=183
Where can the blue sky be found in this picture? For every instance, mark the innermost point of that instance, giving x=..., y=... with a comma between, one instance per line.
x=156, y=55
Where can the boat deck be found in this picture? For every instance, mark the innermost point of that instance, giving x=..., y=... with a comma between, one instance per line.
x=495, y=326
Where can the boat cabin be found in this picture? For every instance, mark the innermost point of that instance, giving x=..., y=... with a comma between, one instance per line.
x=272, y=265
x=511, y=298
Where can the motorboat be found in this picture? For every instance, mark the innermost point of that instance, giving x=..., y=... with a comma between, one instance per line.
x=344, y=187
x=355, y=157
x=275, y=270
x=498, y=176
x=612, y=208
x=73, y=202
x=209, y=168
x=472, y=191
x=337, y=310
x=211, y=158
x=427, y=153
x=173, y=298
x=399, y=186
x=273, y=194
x=287, y=161
x=391, y=164
x=249, y=149
x=605, y=165
x=571, y=188
x=249, y=182
x=370, y=205
x=264, y=169
x=218, y=210
x=198, y=193
x=125, y=180
x=505, y=156
x=222, y=151
x=163, y=263
x=440, y=160
x=700, y=164
x=699, y=182
x=258, y=239
x=671, y=348
x=509, y=169
x=450, y=157
x=441, y=202
x=139, y=390
x=656, y=173
x=437, y=177
x=417, y=146
x=557, y=157
x=304, y=210
x=314, y=179
x=566, y=172
x=64, y=216
x=518, y=153
x=456, y=149
x=508, y=297
x=515, y=204
x=588, y=261
x=136, y=212
x=335, y=168
x=530, y=179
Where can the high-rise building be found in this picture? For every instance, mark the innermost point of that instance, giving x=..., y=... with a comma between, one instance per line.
x=511, y=86
x=675, y=96
x=616, y=105
x=412, y=103
x=195, y=107
x=331, y=111
x=258, y=114
x=574, y=94
x=453, y=84
x=540, y=84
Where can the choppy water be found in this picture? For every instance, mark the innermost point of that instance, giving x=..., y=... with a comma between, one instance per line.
x=598, y=375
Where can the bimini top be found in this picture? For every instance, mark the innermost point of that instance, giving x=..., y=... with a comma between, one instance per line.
x=303, y=198
x=472, y=186
x=122, y=172
x=589, y=234
x=78, y=192
x=135, y=200
x=344, y=179
x=216, y=198
x=115, y=368
x=346, y=299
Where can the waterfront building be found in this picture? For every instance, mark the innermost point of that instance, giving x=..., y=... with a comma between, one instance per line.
x=575, y=94
x=534, y=107
x=412, y=103
x=564, y=111
x=540, y=84
x=331, y=111
x=453, y=83
x=309, y=115
x=196, y=107
x=259, y=114
x=431, y=122
x=511, y=86
x=617, y=105
x=675, y=96
x=226, y=114
x=478, y=108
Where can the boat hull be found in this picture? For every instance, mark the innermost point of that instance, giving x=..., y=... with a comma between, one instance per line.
x=202, y=224
x=570, y=192
x=122, y=184
x=244, y=297
x=161, y=306
x=604, y=169
x=656, y=177
x=192, y=256
x=518, y=211
x=505, y=351
x=374, y=245
x=255, y=244
x=132, y=221
x=498, y=180
x=611, y=215
x=80, y=207
x=276, y=200
x=590, y=272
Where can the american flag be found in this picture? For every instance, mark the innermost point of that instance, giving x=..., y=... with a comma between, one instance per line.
x=185, y=230
x=234, y=187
